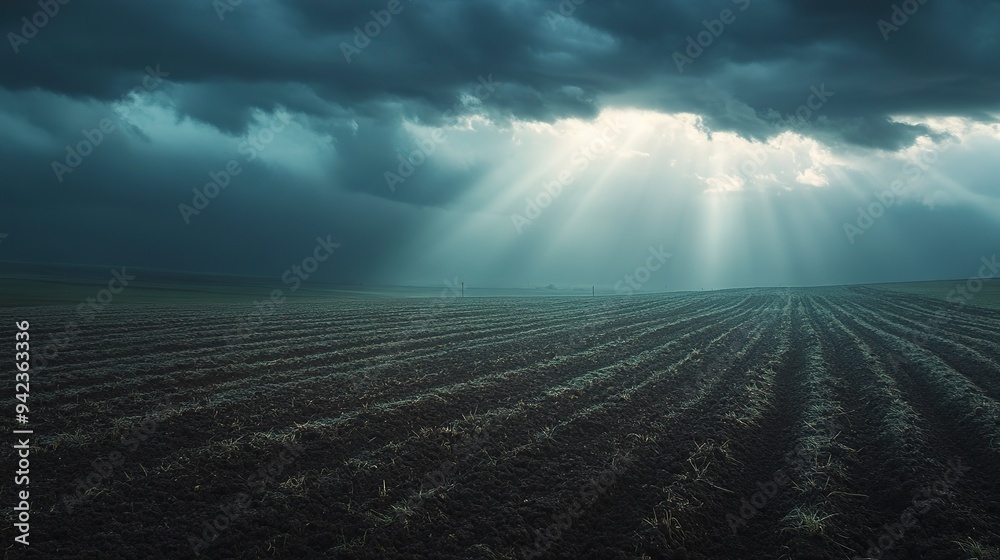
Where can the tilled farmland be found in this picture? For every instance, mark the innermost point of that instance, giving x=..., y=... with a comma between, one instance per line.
x=802, y=423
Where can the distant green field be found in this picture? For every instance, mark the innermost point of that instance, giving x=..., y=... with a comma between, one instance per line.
x=18, y=292
x=988, y=296
x=74, y=285
x=23, y=291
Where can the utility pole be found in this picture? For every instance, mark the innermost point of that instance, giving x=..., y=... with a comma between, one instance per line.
x=463, y=289
x=593, y=291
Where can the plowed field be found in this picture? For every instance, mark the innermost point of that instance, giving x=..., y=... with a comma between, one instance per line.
x=803, y=423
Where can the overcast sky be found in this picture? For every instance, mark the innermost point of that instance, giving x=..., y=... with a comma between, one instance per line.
x=722, y=143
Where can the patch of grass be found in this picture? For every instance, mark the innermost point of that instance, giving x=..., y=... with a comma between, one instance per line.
x=975, y=550
x=548, y=432
x=988, y=296
x=806, y=520
x=667, y=526
x=79, y=438
x=296, y=484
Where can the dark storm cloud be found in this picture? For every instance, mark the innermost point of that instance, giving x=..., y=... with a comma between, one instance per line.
x=943, y=59
x=112, y=213
x=425, y=66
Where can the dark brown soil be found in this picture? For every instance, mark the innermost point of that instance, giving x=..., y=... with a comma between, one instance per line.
x=758, y=424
